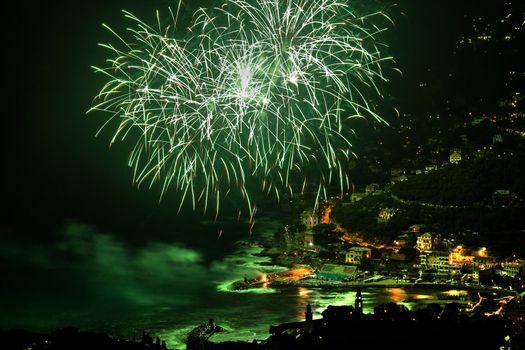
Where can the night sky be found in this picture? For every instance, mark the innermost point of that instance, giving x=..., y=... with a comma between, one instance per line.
x=57, y=178
x=55, y=170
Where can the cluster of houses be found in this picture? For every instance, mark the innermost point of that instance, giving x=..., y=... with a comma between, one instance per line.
x=465, y=265
x=436, y=259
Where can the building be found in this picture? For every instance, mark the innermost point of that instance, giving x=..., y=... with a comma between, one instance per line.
x=472, y=278
x=458, y=256
x=424, y=242
x=385, y=214
x=513, y=268
x=433, y=260
x=455, y=155
x=337, y=314
x=497, y=139
x=309, y=218
x=309, y=239
x=416, y=228
x=356, y=254
x=483, y=263
x=430, y=167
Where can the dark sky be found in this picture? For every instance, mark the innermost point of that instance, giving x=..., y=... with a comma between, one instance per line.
x=56, y=171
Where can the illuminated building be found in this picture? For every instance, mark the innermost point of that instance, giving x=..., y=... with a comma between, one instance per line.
x=424, y=242
x=416, y=228
x=513, y=268
x=458, y=257
x=385, y=214
x=455, y=155
x=356, y=254
x=453, y=294
x=475, y=277
x=309, y=218
x=438, y=261
x=472, y=278
x=430, y=167
x=309, y=239
x=484, y=262
x=497, y=139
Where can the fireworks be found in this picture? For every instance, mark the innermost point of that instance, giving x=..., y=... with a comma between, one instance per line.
x=256, y=90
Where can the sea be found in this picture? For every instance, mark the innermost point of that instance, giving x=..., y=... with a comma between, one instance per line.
x=166, y=291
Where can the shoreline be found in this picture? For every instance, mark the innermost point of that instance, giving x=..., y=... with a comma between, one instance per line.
x=386, y=283
x=383, y=284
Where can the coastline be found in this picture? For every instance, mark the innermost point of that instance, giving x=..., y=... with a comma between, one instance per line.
x=312, y=283
x=276, y=258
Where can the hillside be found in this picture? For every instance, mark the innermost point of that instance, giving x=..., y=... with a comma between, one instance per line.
x=469, y=183
x=455, y=202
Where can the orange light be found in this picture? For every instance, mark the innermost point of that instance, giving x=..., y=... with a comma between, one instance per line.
x=325, y=219
x=264, y=278
x=303, y=292
x=422, y=296
x=483, y=252
x=397, y=294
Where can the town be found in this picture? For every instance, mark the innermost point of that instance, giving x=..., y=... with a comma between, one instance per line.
x=438, y=194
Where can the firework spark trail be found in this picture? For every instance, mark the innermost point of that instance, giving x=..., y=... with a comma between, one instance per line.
x=262, y=89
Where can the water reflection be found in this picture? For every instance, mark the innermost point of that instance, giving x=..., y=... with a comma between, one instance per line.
x=249, y=313
x=321, y=298
x=397, y=295
x=302, y=301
